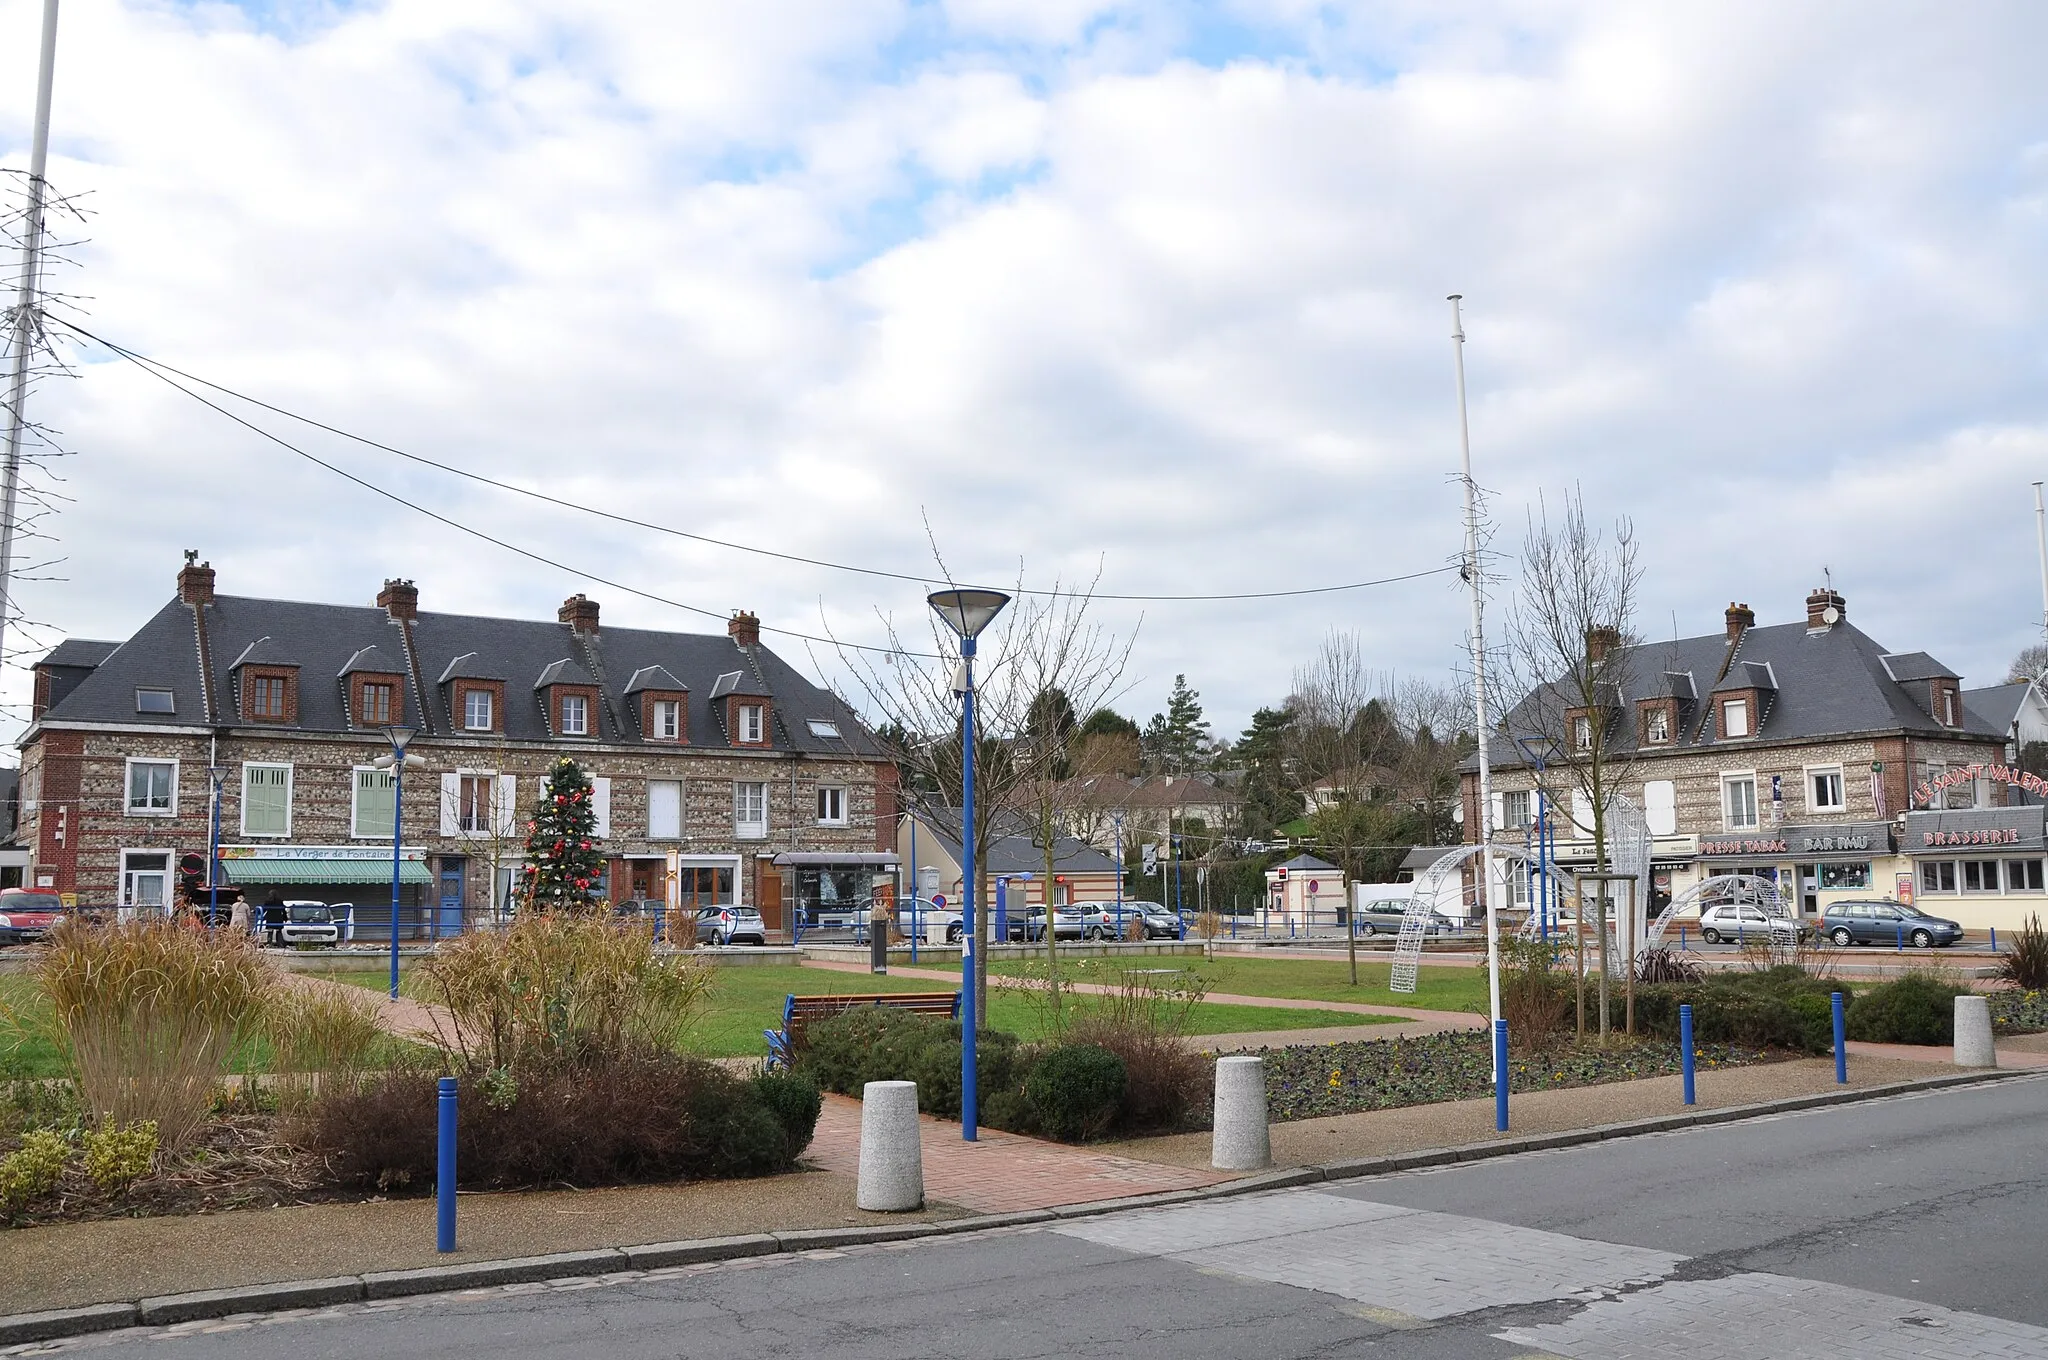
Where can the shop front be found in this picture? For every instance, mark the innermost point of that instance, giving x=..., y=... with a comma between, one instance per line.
x=1837, y=862
x=1981, y=867
x=354, y=880
x=833, y=890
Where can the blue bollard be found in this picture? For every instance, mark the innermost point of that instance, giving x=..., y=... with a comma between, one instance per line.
x=1841, y=1042
x=1994, y=939
x=1901, y=928
x=1685, y=1049
x=1500, y=1075
x=444, y=1172
x=1681, y=939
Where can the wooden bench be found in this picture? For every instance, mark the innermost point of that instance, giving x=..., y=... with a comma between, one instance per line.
x=799, y=1011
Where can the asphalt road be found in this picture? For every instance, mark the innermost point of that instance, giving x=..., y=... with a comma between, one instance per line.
x=1903, y=1228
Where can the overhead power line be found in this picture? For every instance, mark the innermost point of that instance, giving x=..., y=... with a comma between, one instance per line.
x=151, y=365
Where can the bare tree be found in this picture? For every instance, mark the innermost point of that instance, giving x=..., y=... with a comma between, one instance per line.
x=2030, y=664
x=1046, y=641
x=1570, y=650
x=1435, y=719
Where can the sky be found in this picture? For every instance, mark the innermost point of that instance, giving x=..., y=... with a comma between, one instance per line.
x=1054, y=287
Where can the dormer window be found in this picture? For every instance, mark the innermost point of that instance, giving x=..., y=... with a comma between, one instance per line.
x=1582, y=732
x=1947, y=707
x=575, y=715
x=266, y=697
x=668, y=720
x=1735, y=718
x=269, y=694
x=1657, y=723
x=478, y=713
x=377, y=703
x=751, y=725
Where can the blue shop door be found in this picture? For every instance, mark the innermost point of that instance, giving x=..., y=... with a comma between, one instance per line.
x=448, y=920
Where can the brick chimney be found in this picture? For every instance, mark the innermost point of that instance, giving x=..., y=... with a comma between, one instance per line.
x=745, y=628
x=1599, y=642
x=1741, y=618
x=1817, y=606
x=195, y=579
x=579, y=611
x=400, y=599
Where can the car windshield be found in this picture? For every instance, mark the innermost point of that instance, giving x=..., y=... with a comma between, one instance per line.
x=31, y=902
x=317, y=915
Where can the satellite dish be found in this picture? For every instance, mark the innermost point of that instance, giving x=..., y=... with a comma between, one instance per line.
x=1831, y=616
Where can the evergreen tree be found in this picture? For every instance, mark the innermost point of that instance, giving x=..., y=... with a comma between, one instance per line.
x=563, y=863
x=1178, y=737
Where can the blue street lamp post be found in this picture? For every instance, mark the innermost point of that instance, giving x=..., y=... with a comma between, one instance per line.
x=216, y=773
x=967, y=612
x=396, y=762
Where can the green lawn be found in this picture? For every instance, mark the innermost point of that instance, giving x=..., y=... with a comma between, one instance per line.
x=749, y=1000
x=1437, y=988
x=25, y=1046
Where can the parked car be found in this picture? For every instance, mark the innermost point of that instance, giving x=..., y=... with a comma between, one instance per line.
x=1109, y=920
x=304, y=923
x=933, y=923
x=730, y=925
x=1160, y=924
x=649, y=909
x=1385, y=918
x=1068, y=924
x=1746, y=921
x=27, y=914
x=1886, y=922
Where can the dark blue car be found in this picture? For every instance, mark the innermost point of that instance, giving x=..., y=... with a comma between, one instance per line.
x=1886, y=922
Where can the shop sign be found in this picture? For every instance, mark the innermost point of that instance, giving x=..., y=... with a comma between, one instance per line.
x=1902, y=888
x=1986, y=836
x=1969, y=774
x=1826, y=844
x=1769, y=845
x=316, y=852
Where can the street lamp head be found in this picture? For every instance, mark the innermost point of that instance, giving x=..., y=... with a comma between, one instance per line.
x=399, y=736
x=967, y=611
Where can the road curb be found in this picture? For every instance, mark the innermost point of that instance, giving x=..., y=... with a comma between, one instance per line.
x=55, y=1324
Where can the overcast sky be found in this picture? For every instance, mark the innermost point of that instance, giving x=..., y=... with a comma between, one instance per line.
x=1155, y=285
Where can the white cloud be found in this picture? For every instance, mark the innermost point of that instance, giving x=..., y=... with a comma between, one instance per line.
x=1155, y=285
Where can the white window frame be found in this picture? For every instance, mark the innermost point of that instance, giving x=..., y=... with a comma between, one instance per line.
x=1729, y=779
x=741, y=803
x=1732, y=706
x=582, y=702
x=1813, y=803
x=837, y=794
x=656, y=833
x=2025, y=874
x=249, y=765
x=128, y=787
x=668, y=720
x=1963, y=867
x=752, y=722
x=355, y=789
x=490, y=819
x=169, y=871
x=1508, y=820
x=1582, y=732
x=1656, y=713
x=490, y=705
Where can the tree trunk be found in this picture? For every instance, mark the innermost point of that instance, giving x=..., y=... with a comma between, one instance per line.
x=1052, y=955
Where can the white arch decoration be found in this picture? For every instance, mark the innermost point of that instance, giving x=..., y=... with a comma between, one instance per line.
x=1749, y=889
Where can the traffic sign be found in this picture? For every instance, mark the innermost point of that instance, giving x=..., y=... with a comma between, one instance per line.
x=1312, y=886
x=938, y=901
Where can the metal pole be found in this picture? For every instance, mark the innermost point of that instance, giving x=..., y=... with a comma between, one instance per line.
x=27, y=314
x=1481, y=728
x=916, y=921
x=2040, y=525
x=397, y=832
x=444, y=1170
x=1685, y=1049
x=969, y=1099
x=1500, y=1076
x=1841, y=1039
x=213, y=857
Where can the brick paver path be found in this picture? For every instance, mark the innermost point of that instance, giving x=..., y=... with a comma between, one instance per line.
x=1002, y=1172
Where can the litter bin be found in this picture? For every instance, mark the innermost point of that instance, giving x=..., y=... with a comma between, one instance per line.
x=878, y=938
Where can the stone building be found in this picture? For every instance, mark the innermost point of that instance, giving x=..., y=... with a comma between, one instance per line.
x=721, y=774
x=1805, y=753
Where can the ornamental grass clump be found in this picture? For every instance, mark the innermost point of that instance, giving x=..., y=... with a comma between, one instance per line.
x=2025, y=966
x=1535, y=998
x=323, y=1037
x=149, y=1015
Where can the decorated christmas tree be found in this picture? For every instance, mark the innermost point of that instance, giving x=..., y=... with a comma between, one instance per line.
x=564, y=866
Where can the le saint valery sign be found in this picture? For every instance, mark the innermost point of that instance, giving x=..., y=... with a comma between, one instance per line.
x=1969, y=774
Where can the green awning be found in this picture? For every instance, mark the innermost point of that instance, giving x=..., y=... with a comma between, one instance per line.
x=267, y=871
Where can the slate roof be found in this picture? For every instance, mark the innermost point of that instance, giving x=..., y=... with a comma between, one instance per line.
x=1307, y=863
x=1996, y=706
x=79, y=652
x=1013, y=850
x=1833, y=683
x=1421, y=857
x=322, y=639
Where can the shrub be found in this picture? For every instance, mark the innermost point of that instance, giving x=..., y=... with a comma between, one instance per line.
x=2026, y=966
x=1917, y=1009
x=643, y=1114
x=1666, y=965
x=1166, y=1083
x=117, y=1158
x=1535, y=999
x=150, y=1013
x=794, y=1100
x=33, y=1169
x=874, y=1043
x=560, y=988
x=1783, y=1008
x=321, y=1034
x=1075, y=1090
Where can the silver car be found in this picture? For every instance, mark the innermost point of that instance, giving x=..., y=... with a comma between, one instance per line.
x=1741, y=921
x=731, y=925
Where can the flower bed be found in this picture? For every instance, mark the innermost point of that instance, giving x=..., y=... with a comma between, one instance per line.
x=2018, y=1012
x=1379, y=1074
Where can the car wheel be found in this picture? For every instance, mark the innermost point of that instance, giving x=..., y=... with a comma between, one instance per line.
x=1841, y=936
x=1921, y=939
x=1368, y=930
x=1710, y=935
x=954, y=932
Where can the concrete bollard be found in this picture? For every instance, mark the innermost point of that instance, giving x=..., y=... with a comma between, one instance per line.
x=1240, y=1141
x=1973, y=1033
x=891, y=1158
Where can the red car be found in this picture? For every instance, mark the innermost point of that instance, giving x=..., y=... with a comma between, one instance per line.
x=27, y=914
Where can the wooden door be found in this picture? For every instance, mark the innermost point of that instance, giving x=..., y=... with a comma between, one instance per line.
x=770, y=903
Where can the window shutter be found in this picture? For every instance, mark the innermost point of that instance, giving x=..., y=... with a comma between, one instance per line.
x=508, y=805
x=1582, y=811
x=601, y=804
x=1660, y=807
x=451, y=803
x=664, y=809
x=1500, y=811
